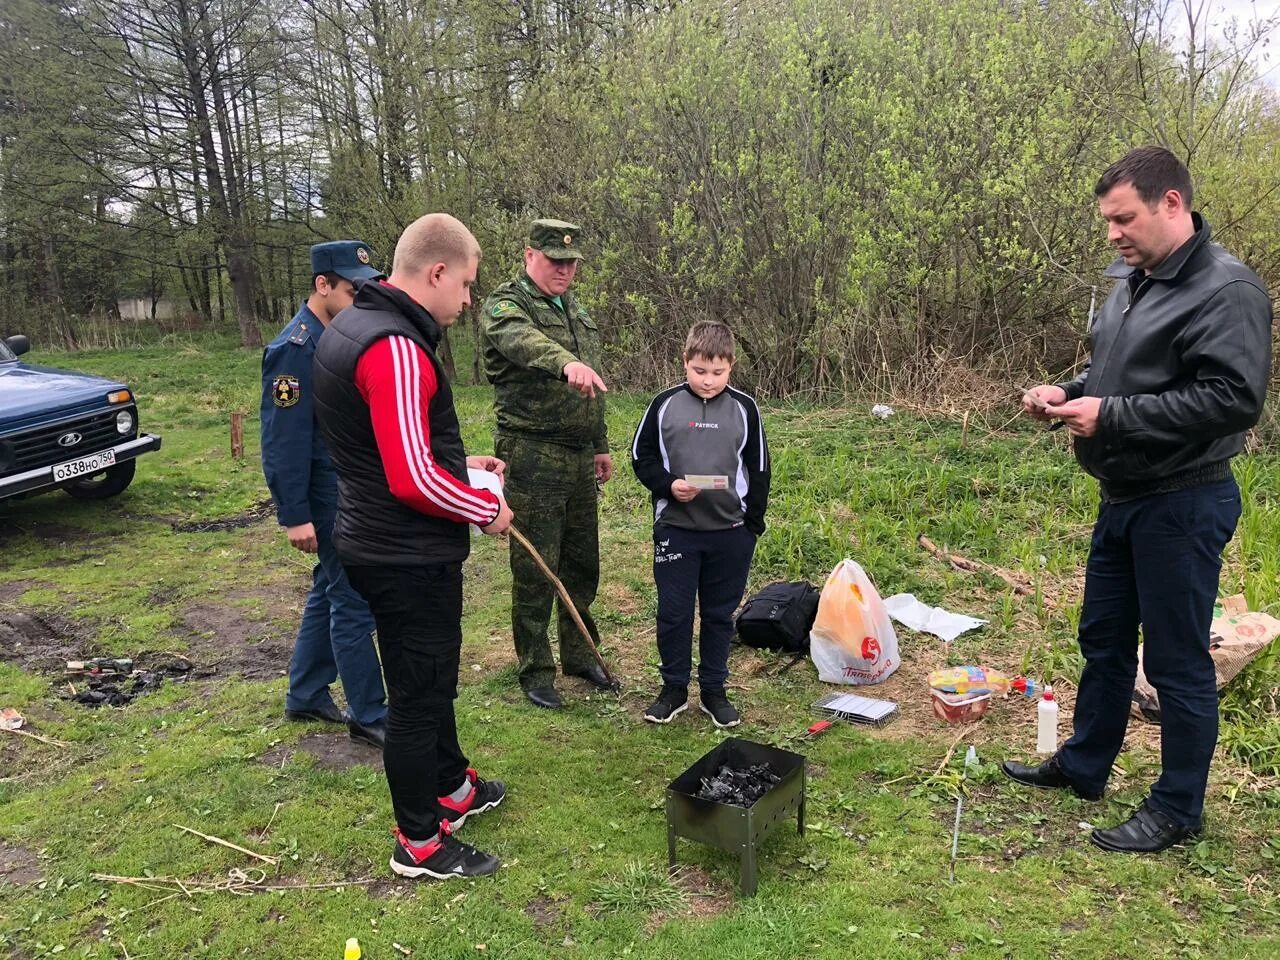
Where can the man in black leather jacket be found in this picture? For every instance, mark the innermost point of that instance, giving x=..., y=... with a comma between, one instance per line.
x=1181, y=354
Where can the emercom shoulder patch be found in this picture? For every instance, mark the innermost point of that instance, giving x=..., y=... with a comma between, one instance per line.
x=285, y=390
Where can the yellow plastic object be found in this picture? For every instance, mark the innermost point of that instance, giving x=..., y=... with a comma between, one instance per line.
x=352, y=950
x=969, y=680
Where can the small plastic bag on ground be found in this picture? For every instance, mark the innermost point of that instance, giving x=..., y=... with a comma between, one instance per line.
x=852, y=640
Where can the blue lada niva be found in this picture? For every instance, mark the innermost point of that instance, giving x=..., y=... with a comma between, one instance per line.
x=60, y=429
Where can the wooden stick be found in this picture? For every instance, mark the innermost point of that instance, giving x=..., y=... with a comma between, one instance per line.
x=204, y=836
x=208, y=886
x=564, y=597
x=951, y=750
x=971, y=566
x=170, y=896
x=273, y=818
x=36, y=736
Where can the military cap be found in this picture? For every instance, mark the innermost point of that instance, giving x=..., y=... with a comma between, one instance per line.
x=557, y=239
x=347, y=258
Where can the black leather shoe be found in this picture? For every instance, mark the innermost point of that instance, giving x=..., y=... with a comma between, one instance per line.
x=1147, y=831
x=596, y=677
x=1047, y=775
x=546, y=697
x=374, y=734
x=329, y=713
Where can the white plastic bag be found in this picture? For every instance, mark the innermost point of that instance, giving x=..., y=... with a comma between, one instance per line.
x=852, y=640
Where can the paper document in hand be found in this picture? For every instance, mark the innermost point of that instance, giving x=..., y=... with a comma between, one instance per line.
x=705, y=481
x=484, y=480
x=910, y=612
x=1035, y=401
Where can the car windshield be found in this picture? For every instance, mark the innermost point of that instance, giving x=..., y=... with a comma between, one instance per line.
x=5, y=352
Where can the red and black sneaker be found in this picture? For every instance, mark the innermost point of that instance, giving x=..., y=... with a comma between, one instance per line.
x=442, y=858
x=484, y=796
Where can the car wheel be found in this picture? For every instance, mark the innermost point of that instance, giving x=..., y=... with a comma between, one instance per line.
x=108, y=483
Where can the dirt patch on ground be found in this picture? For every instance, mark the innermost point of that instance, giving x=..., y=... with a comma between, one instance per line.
x=47, y=532
x=382, y=888
x=620, y=596
x=224, y=638
x=708, y=897
x=39, y=642
x=544, y=912
x=247, y=518
x=9, y=592
x=332, y=751
x=18, y=865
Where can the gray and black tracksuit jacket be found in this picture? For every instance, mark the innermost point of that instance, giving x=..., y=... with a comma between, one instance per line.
x=682, y=434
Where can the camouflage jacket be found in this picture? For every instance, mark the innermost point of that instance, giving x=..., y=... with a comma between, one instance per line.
x=526, y=341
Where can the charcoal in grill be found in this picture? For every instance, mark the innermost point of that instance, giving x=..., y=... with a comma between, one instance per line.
x=741, y=787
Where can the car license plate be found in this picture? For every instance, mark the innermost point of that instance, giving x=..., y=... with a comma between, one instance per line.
x=85, y=465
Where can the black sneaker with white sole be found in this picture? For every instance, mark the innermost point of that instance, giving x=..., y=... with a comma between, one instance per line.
x=442, y=858
x=671, y=702
x=484, y=796
x=716, y=705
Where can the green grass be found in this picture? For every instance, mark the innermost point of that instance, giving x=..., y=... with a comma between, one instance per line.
x=582, y=835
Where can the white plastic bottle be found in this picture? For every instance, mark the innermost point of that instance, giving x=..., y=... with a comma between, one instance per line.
x=1047, y=723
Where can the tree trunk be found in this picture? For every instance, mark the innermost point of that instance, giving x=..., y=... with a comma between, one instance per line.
x=444, y=353
x=224, y=199
x=53, y=289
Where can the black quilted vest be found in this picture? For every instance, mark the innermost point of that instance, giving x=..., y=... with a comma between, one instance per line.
x=373, y=527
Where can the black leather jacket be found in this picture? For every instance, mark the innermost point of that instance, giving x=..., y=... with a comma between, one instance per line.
x=1181, y=358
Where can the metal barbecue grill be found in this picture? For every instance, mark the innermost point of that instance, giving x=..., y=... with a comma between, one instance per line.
x=737, y=830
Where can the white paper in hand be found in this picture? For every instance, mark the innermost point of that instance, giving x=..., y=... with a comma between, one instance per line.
x=484, y=480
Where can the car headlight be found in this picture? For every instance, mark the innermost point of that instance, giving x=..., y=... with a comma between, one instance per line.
x=124, y=421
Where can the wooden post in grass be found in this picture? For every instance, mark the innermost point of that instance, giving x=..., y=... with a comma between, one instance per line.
x=237, y=436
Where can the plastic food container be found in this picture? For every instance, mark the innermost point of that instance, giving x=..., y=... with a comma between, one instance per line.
x=960, y=707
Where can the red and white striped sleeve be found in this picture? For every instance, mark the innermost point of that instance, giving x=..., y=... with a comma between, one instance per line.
x=397, y=381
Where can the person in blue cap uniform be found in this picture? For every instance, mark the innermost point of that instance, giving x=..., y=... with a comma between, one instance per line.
x=335, y=639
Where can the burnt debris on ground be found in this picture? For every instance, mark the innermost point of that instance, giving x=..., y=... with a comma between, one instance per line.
x=259, y=511
x=116, y=689
x=741, y=787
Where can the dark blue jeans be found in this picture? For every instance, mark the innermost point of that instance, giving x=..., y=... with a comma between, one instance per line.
x=708, y=567
x=1153, y=561
x=419, y=616
x=335, y=638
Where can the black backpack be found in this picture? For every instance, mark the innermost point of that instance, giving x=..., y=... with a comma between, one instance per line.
x=779, y=616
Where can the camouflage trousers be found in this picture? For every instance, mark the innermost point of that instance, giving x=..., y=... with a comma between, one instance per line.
x=551, y=490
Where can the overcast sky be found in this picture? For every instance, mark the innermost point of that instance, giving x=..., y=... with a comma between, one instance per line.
x=1219, y=13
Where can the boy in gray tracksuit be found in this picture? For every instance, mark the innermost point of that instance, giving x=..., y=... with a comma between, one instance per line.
x=701, y=450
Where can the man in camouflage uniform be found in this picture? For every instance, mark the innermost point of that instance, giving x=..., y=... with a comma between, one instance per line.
x=541, y=353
